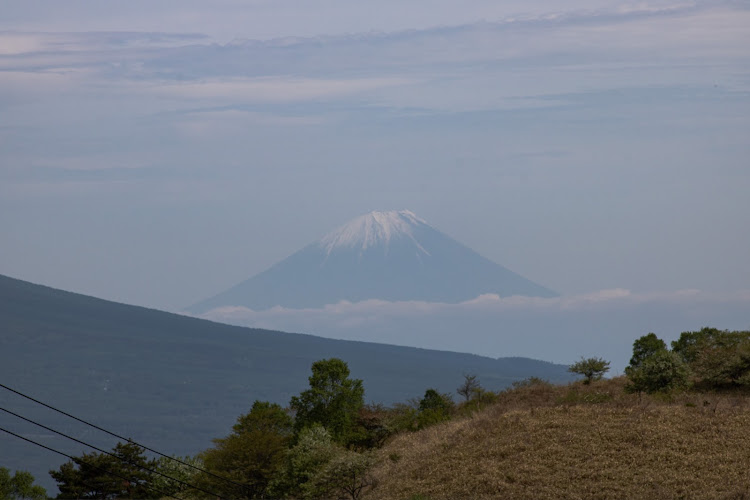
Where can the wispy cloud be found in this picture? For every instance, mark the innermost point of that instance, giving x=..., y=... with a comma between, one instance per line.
x=274, y=90
x=17, y=43
x=490, y=62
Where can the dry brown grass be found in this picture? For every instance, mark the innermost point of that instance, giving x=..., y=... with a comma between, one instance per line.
x=577, y=442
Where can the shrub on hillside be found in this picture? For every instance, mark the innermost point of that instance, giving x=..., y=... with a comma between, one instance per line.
x=718, y=358
x=663, y=371
x=434, y=407
x=403, y=416
x=575, y=396
x=530, y=382
x=376, y=423
x=591, y=368
x=317, y=467
x=347, y=475
x=691, y=344
x=480, y=399
x=725, y=366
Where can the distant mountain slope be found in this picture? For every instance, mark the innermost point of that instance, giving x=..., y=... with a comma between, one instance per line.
x=175, y=382
x=382, y=255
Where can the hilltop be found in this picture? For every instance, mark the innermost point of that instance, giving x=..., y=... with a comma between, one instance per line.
x=540, y=441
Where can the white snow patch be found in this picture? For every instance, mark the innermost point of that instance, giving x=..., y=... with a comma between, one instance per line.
x=374, y=229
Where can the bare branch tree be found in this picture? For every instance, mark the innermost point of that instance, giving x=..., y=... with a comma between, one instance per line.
x=469, y=386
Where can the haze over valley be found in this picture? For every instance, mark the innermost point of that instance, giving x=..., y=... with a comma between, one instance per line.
x=391, y=277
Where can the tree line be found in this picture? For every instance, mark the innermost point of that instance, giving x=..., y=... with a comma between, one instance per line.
x=707, y=359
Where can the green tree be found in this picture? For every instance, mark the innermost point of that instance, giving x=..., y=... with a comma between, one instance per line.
x=333, y=400
x=725, y=366
x=663, y=371
x=252, y=455
x=402, y=417
x=691, y=344
x=19, y=486
x=318, y=467
x=347, y=474
x=433, y=400
x=376, y=423
x=306, y=459
x=177, y=470
x=591, y=368
x=100, y=476
x=645, y=347
x=718, y=358
x=480, y=399
x=434, y=407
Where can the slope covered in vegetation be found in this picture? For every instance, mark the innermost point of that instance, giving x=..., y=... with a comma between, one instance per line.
x=674, y=427
x=578, y=441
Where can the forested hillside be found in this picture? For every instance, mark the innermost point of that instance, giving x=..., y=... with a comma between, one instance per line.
x=674, y=427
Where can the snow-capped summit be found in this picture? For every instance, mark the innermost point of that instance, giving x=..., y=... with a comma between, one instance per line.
x=393, y=256
x=373, y=229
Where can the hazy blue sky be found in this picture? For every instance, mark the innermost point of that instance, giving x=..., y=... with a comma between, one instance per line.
x=159, y=152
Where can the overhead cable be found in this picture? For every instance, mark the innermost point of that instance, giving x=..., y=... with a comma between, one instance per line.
x=153, y=471
x=129, y=479
x=122, y=437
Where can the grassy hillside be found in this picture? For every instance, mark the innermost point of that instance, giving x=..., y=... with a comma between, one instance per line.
x=175, y=382
x=577, y=442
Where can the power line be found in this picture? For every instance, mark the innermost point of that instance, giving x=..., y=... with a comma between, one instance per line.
x=153, y=471
x=78, y=460
x=122, y=437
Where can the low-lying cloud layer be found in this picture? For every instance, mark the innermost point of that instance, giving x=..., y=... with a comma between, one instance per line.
x=560, y=329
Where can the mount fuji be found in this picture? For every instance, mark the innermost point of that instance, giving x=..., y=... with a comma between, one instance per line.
x=393, y=256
